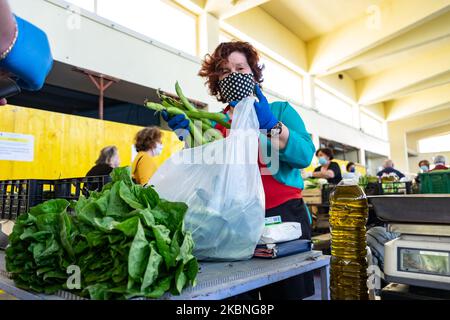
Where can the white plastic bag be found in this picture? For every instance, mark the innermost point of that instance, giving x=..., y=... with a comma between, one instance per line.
x=283, y=232
x=221, y=184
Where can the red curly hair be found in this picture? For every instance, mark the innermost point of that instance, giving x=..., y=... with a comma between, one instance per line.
x=147, y=138
x=213, y=64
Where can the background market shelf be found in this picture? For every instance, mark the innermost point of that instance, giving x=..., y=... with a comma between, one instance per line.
x=18, y=196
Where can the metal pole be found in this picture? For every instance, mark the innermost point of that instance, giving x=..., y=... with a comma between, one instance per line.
x=100, y=102
x=100, y=85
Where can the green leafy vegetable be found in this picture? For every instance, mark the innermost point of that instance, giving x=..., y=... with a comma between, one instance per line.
x=126, y=241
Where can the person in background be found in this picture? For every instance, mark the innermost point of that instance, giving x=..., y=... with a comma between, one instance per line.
x=439, y=162
x=104, y=165
x=25, y=55
x=148, y=144
x=106, y=162
x=351, y=172
x=328, y=169
x=424, y=166
x=388, y=168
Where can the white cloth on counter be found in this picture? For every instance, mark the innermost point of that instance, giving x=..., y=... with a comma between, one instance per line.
x=282, y=232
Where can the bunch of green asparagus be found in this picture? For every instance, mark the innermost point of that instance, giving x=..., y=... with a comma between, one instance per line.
x=201, y=123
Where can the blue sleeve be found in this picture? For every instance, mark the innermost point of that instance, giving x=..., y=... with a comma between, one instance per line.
x=299, y=149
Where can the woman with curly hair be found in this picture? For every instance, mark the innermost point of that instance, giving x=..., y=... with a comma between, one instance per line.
x=232, y=73
x=148, y=144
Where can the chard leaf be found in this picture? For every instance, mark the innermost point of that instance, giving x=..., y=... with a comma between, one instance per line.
x=122, y=175
x=32, y=234
x=116, y=206
x=65, y=233
x=98, y=291
x=147, y=217
x=129, y=197
x=48, y=222
x=89, y=213
x=51, y=206
x=138, y=256
x=106, y=224
x=152, y=271
x=129, y=227
x=186, y=248
x=147, y=196
x=180, y=278
x=192, y=270
x=160, y=288
x=170, y=214
x=163, y=243
x=96, y=238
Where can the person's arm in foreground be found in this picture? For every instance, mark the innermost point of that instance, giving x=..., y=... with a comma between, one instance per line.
x=27, y=58
x=296, y=146
x=7, y=26
x=324, y=173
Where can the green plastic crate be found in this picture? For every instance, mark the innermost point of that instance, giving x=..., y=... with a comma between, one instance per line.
x=435, y=182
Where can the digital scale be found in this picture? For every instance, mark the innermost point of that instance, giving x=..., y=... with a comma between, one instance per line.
x=420, y=256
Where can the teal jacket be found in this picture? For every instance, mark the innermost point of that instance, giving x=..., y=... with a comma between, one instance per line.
x=298, y=152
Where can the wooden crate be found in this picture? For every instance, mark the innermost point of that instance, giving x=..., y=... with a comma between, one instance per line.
x=312, y=196
x=322, y=242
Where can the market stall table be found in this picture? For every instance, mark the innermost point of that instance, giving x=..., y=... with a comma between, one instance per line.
x=219, y=280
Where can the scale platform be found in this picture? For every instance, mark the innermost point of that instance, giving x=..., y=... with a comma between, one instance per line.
x=412, y=208
x=419, y=257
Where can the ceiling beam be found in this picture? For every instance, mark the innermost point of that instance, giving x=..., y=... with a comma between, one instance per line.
x=392, y=18
x=195, y=6
x=433, y=64
x=416, y=123
x=422, y=101
x=224, y=9
x=437, y=81
x=429, y=32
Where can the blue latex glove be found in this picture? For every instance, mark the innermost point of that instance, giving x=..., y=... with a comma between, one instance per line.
x=179, y=124
x=266, y=118
x=30, y=60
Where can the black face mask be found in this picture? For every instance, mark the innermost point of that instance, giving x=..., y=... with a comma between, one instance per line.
x=237, y=86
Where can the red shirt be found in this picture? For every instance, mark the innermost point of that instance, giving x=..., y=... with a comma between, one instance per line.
x=276, y=193
x=439, y=167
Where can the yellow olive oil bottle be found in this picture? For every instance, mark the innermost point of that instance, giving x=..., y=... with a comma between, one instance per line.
x=348, y=218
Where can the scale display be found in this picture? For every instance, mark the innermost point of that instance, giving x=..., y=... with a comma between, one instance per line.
x=424, y=261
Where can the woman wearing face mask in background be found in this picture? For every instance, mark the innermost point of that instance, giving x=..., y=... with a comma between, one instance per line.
x=351, y=172
x=424, y=166
x=233, y=73
x=148, y=145
x=328, y=169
